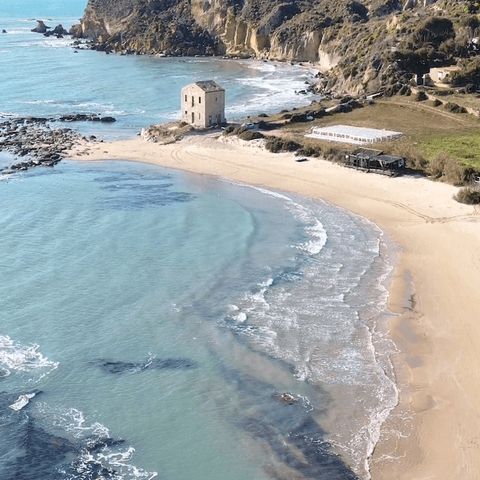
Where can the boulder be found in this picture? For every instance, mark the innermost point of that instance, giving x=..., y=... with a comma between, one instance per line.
x=76, y=31
x=4, y=31
x=41, y=27
x=58, y=32
x=108, y=120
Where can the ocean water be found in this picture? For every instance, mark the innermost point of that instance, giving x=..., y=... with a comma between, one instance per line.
x=46, y=76
x=157, y=324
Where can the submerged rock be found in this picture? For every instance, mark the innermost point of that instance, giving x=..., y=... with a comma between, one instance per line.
x=119, y=367
x=293, y=435
x=286, y=398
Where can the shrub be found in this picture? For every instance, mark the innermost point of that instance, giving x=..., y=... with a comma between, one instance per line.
x=448, y=169
x=299, y=118
x=468, y=195
x=454, y=172
x=404, y=90
x=468, y=75
x=421, y=96
x=454, y=108
x=277, y=145
x=229, y=130
x=436, y=102
x=309, y=151
x=434, y=31
x=335, y=155
x=250, y=135
x=413, y=158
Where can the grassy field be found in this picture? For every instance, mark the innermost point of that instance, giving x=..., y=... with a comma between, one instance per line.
x=428, y=130
x=465, y=147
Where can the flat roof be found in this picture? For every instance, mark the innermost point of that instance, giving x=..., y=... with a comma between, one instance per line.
x=451, y=68
x=209, y=86
x=351, y=134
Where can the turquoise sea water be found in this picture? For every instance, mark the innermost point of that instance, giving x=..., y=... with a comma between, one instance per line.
x=46, y=76
x=151, y=322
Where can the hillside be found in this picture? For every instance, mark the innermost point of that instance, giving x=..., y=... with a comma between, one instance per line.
x=359, y=46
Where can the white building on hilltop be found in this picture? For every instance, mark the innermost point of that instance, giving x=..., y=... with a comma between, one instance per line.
x=203, y=104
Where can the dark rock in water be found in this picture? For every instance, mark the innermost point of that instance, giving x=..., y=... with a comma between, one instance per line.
x=286, y=398
x=83, y=117
x=41, y=27
x=99, y=444
x=118, y=367
x=4, y=31
x=42, y=454
x=35, y=138
x=172, y=363
x=29, y=452
x=289, y=429
x=58, y=32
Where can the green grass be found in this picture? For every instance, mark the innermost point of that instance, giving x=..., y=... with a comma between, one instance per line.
x=465, y=147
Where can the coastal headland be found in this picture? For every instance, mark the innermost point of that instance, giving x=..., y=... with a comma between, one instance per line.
x=433, y=432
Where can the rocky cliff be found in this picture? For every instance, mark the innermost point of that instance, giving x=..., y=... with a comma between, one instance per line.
x=359, y=45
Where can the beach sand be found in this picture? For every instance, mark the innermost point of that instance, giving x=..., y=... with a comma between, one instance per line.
x=434, y=433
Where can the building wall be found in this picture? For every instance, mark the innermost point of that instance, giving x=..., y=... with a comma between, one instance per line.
x=193, y=106
x=439, y=76
x=215, y=108
x=202, y=109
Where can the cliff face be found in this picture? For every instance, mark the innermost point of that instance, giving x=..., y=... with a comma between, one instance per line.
x=351, y=41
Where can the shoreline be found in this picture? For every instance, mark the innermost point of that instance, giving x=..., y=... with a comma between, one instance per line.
x=436, y=362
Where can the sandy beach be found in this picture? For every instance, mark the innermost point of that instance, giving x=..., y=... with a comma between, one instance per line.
x=434, y=293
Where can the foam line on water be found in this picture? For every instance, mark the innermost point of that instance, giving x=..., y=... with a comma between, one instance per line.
x=339, y=303
x=109, y=456
x=18, y=358
x=313, y=226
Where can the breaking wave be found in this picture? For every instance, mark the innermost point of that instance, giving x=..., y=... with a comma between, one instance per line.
x=18, y=358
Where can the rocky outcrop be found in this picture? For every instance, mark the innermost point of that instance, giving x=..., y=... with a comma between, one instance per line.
x=41, y=27
x=351, y=41
x=38, y=143
x=58, y=31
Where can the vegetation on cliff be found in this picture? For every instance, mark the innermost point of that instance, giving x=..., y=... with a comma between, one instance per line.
x=359, y=45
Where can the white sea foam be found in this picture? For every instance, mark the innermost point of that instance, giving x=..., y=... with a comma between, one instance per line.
x=321, y=318
x=313, y=226
x=18, y=31
x=38, y=102
x=22, y=401
x=15, y=357
x=271, y=91
x=105, y=108
x=110, y=457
